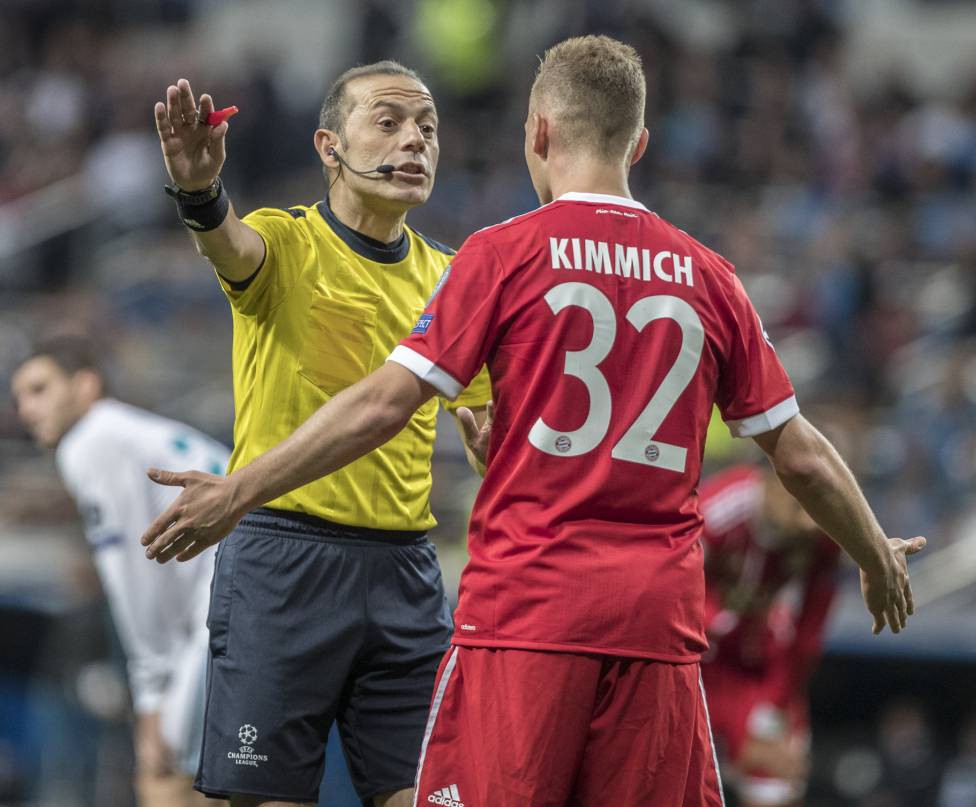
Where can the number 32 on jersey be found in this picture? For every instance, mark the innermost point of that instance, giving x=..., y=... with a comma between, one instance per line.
x=638, y=444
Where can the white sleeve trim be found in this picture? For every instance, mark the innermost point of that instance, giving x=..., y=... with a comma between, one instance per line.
x=765, y=421
x=426, y=370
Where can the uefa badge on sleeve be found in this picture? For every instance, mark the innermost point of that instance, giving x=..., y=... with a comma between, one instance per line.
x=423, y=323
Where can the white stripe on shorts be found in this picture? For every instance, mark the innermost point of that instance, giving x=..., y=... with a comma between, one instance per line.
x=711, y=739
x=435, y=707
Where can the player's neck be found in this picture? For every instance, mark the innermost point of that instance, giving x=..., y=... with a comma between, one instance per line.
x=381, y=225
x=574, y=175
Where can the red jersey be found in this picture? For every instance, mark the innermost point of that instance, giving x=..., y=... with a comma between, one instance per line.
x=608, y=334
x=767, y=599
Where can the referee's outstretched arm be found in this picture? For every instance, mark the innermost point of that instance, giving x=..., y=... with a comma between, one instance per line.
x=194, y=154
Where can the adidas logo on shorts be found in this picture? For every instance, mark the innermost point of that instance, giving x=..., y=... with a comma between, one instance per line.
x=446, y=797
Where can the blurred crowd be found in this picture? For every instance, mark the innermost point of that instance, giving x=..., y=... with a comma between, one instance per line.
x=845, y=195
x=849, y=209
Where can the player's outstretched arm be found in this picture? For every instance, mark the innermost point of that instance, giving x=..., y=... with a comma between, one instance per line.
x=357, y=420
x=194, y=153
x=812, y=470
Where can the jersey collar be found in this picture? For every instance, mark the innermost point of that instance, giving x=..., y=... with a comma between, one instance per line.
x=601, y=199
x=369, y=248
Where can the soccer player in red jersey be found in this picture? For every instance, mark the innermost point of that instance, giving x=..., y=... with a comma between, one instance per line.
x=769, y=584
x=574, y=678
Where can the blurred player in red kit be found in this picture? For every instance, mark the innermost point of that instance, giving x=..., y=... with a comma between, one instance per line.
x=769, y=577
x=609, y=334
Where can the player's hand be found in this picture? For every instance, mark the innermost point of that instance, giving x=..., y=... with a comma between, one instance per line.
x=888, y=591
x=785, y=758
x=192, y=150
x=153, y=757
x=199, y=517
x=476, y=437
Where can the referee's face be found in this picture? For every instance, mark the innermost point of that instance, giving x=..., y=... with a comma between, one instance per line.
x=48, y=400
x=390, y=120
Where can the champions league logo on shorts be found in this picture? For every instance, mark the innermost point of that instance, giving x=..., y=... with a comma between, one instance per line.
x=245, y=755
x=247, y=734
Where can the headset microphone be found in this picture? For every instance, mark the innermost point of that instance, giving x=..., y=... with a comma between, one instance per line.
x=386, y=168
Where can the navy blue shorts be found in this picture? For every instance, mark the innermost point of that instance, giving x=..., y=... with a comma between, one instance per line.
x=312, y=622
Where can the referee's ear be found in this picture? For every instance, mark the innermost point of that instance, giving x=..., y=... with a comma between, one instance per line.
x=326, y=140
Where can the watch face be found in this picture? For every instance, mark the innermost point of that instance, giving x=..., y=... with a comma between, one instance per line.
x=207, y=194
x=201, y=197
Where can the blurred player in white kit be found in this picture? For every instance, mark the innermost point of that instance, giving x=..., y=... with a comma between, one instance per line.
x=103, y=448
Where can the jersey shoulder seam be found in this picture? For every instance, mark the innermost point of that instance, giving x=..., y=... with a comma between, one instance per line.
x=436, y=245
x=723, y=261
x=513, y=221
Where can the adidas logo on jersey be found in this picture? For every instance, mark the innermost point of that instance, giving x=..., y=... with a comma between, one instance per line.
x=446, y=797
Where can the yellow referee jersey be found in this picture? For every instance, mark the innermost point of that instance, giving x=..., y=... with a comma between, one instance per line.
x=326, y=308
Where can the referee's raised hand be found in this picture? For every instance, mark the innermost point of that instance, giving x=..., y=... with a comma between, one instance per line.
x=192, y=150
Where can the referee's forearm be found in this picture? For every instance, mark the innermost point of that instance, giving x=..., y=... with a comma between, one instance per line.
x=235, y=249
x=353, y=423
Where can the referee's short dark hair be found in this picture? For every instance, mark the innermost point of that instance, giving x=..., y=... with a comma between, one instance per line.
x=334, y=109
x=69, y=352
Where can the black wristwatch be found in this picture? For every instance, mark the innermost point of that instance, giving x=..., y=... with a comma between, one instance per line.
x=201, y=210
x=195, y=198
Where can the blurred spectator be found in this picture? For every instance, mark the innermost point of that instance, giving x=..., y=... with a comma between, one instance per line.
x=959, y=783
x=909, y=757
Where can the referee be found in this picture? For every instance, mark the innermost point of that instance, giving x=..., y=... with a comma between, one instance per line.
x=327, y=603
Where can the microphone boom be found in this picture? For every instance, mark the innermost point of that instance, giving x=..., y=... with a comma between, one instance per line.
x=386, y=168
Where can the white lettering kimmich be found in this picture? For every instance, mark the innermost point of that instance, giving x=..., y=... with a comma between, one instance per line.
x=628, y=262
x=597, y=257
x=625, y=261
x=659, y=266
x=557, y=248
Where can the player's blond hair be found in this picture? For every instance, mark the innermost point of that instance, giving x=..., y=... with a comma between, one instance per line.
x=593, y=88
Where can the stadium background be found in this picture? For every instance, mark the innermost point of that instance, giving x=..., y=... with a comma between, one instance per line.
x=828, y=148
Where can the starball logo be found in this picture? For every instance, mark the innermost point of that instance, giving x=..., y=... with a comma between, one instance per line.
x=248, y=735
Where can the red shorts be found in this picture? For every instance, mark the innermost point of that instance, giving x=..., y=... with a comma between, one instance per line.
x=521, y=728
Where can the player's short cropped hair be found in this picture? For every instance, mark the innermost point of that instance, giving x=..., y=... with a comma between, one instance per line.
x=594, y=88
x=335, y=109
x=69, y=352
